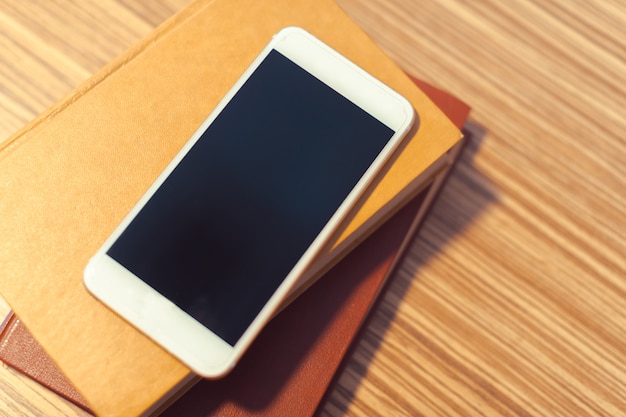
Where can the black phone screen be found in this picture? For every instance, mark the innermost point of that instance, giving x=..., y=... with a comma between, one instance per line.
x=236, y=214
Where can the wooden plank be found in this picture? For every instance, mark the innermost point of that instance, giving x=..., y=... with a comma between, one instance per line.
x=513, y=298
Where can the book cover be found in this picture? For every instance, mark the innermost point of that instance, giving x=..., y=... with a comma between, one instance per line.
x=21, y=351
x=69, y=177
x=295, y=356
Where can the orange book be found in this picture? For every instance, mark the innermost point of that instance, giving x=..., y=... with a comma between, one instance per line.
x=70, y=176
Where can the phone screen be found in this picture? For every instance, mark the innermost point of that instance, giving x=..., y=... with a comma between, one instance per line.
x=232, y=219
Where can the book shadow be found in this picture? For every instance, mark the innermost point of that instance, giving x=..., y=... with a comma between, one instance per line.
x=259, y=381
x=466, y=194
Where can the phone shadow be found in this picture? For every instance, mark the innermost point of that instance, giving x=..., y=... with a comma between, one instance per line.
x=262, y=382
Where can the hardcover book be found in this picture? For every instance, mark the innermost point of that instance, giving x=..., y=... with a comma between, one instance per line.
x=70, y=176
x=287, y=370
x=362, y=274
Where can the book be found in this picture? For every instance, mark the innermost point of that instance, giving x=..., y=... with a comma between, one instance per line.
x=21, y=351
x=69, y=177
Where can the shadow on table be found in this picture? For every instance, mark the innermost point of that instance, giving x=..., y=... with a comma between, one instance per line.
x=465, y=195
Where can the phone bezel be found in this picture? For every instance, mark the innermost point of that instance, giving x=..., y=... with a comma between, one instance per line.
x=160, y=319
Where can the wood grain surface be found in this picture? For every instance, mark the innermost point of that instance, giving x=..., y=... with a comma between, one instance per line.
x=512, y=300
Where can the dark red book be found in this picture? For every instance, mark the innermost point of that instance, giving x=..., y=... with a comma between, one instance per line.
x=293, y=362
x=296, y=355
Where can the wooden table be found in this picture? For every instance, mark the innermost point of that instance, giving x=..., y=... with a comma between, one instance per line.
x=512, y=301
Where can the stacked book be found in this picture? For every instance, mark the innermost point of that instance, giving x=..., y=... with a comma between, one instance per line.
x=68, y=178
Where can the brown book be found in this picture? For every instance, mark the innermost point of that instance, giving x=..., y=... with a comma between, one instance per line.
x=20, y=350
x=288, y=377
x=289, y=367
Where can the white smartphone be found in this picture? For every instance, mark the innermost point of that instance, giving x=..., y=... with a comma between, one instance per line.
x=208, y=254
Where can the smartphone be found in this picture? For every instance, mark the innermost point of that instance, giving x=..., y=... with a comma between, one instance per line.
x=208, y=254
